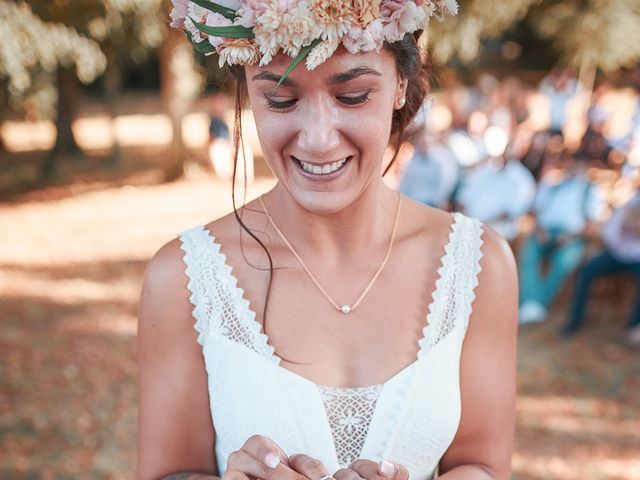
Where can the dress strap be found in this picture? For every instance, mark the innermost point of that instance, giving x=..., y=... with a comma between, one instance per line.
x=457, y=278
x=219, y=306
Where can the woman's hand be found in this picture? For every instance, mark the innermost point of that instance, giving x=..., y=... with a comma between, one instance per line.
x=369, y=470
x=261, y=458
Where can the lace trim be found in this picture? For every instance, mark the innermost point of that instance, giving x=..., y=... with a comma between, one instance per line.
x=459, y=279
x=231, y=312
x=219, y=303
x=349, y=413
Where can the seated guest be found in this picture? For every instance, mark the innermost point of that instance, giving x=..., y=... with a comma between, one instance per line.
x=565, y=205
x=498, y=193
x=432, y=173
x=621, y=254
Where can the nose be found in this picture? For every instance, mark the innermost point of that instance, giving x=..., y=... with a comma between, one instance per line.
x=318, y=135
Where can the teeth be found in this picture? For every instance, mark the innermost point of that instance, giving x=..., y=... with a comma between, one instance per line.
x=326, y=169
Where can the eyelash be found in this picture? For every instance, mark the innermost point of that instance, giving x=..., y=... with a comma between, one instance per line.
x=360, y=99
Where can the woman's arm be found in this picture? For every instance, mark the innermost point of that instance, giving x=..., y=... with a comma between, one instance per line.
x=175, y=431
x=483, y=444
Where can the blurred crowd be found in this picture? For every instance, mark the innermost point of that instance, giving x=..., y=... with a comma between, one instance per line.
x=555, y=169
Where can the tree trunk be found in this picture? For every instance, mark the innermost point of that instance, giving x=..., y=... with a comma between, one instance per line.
x=173, y=101
x=3, y=147
x=68, y=91
x=112, y=91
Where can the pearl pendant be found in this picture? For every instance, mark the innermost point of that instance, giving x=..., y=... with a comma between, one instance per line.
x=345, y=309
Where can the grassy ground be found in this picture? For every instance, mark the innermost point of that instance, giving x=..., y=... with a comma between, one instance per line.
x=72, y=259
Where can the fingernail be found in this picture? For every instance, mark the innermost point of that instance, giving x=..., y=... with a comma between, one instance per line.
x=387, y=469
x=272, y=460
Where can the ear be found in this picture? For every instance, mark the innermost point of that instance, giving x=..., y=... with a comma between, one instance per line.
x=401, y=93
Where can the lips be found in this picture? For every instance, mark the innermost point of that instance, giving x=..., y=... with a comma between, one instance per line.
x=324, y=169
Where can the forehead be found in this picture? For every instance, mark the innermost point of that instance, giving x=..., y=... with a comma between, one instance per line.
x=326, y=73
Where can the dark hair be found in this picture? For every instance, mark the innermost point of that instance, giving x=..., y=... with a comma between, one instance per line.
x=410, y=66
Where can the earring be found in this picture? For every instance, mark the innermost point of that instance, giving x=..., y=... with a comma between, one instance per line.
x=401, y=102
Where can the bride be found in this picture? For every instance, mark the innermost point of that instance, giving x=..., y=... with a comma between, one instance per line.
x=331, y=328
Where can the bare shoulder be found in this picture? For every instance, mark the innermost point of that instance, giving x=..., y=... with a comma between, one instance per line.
x=165, y=285
x=171, y=374
x=431, y=224
x=488, y=366
x=497, y=281
x=227, y=228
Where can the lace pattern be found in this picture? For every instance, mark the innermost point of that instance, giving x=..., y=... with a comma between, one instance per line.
x=457, y=278
x=219, y=304
x=349, y=412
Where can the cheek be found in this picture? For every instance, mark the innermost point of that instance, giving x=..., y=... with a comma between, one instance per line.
x=370, y=128
x=274, y=131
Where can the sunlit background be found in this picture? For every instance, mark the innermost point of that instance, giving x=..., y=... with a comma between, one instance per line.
x=106, y=153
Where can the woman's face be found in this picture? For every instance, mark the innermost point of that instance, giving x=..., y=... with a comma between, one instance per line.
x=324, y=132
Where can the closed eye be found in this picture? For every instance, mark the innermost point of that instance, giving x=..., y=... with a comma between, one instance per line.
x=279, y=105
x=364, y=98
x=346, y=100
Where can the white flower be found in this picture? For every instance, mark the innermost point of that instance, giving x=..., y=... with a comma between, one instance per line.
x=239, y=51
x=301, y=30
x=333, y=17
x=321, y=53
x=269, y=31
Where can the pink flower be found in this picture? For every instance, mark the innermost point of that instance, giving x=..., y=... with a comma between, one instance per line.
x=247, y=14
x=400, y=17
x=364, y=39
x=216, y=20
x=179, y=13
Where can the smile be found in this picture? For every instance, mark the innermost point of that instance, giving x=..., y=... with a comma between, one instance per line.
x=326, y=169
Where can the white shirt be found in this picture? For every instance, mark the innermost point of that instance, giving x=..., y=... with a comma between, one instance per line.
x=623, y=243
x=431, y=176
x=566, y=206
x=498, y=196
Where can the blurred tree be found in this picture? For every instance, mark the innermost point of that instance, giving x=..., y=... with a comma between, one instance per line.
x=586, y=34
x=123, y=28
x=31, y=49
x=460, y=36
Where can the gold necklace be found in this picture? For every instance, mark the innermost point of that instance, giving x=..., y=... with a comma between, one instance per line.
x=344, y=308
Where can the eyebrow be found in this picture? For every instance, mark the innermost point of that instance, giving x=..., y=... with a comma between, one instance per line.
x=333, y=79
x=351, y=74
x=273, y=78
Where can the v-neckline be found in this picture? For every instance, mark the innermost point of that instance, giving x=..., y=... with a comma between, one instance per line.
x=250, y=315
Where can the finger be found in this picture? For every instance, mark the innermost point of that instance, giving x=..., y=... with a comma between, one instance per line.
x=231, y=474
x=347, y=474
x=265, y=450
x=310, y=467
x=379, y=471
x=253, y=468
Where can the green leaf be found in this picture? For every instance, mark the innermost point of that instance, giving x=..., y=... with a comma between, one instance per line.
x=232, y=31
x=301, y=56
x=204, y=47
x=214, y=7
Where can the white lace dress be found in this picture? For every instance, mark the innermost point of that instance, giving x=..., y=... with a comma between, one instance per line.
x=411, y=419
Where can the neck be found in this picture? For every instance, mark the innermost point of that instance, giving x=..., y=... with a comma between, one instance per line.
x=364, y=226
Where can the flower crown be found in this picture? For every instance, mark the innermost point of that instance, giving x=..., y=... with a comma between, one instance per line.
x=245, y=32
